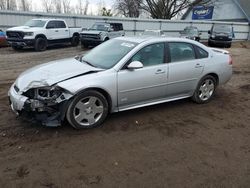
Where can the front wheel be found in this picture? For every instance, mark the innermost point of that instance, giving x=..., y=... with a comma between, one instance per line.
x=75, y=40
x=205, y=90
x=87, y=110
x=41, y=44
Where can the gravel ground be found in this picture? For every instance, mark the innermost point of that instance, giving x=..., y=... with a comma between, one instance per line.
x=176, y=144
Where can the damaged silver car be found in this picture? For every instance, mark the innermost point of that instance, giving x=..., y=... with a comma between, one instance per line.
x=120, y=74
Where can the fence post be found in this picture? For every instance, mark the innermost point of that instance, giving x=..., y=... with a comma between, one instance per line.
x=248, y=38
x=135, y=27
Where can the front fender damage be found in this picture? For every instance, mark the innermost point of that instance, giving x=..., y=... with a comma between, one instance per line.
x=47, y=105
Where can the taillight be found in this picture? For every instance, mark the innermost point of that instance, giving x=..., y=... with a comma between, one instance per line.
x=230, y=60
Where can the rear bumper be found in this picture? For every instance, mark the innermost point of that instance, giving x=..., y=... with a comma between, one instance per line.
x=21, y=42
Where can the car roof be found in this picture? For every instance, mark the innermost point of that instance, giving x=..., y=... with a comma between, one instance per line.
x=47, y=19
x=142, y=39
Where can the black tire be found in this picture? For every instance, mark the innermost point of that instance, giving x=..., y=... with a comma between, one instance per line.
x=17, y=48
x=229, y=45
x=84, y=45
x=210, y=44
x=40, y=44
x=82, y=107
x=198, y=95
x=75, y=40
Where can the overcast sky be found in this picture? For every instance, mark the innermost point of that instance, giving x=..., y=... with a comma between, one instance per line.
x=93, y=4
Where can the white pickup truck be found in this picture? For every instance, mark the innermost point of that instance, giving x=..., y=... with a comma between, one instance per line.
x=40, y=33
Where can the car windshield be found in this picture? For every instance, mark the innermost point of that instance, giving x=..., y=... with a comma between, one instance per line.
x=222, y=29
x=192, y=31
x=100, y=27
x=35, y=23
x=109, y=53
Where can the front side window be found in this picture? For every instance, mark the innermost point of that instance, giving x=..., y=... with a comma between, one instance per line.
x=109, y=53
x=181, y=51
x=61, y=24
x=150, y=55
x=51, y=25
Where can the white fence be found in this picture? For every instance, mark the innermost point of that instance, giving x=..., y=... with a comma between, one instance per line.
x=131, y=26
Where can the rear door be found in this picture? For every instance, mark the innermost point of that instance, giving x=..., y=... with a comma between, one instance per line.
x=51, y=30
x=62, y=30
x=185, y=68
x=135, y=87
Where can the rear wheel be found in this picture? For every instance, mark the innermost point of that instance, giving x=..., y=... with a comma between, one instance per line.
x=205, y=90
x=40, y=44
x=87, y=110
x=75, y=40
x=84, y=45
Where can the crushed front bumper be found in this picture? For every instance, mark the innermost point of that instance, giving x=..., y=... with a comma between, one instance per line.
x=21, y=42
x=35, y=110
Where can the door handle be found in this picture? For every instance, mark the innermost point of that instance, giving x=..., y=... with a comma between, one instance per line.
x=66, y=30
x=56, y=30
x=198, y=65
x=160, y=71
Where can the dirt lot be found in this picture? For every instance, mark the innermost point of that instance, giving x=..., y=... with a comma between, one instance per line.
x=177, y=144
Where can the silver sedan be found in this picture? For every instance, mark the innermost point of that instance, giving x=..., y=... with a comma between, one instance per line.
x=120, y=74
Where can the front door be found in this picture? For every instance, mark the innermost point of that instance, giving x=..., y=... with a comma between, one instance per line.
x=146, y=84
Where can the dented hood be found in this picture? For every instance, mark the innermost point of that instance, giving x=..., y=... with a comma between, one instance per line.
x=52, y=73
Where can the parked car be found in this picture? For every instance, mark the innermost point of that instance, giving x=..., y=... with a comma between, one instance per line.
x=221, y=35
x=191, y=32
x=101, y=32
x=148, y=32
x=120, y=74
x=3, y=41
x=40, y=33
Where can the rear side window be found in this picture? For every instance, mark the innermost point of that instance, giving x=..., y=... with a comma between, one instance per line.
x=180, y=51
x=117, y=26
x=60, y=24
x=201, y=53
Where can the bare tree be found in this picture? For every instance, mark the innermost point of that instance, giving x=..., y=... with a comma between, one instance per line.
x=66, y=6
x=106, y=12
x=129, y=8
x=25, y=5
x=47, y=5
x=167, y=9
x=82, y=7
x=58, y=6
x=10, y=4
x=2, y=4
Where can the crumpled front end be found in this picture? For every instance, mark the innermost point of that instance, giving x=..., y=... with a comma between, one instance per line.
x=44, y=104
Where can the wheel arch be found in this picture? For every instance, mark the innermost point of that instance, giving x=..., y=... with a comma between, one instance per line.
x=215, y=76
x=76, y=34
x=102, y=91
x=41, y=36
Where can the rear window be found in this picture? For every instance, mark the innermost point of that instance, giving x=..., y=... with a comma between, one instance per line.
x=201, y=53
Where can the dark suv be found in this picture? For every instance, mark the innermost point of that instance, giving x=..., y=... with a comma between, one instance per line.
x=221, y=35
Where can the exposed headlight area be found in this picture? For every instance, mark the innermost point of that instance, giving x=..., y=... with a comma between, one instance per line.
x=28, y=34
x=40, y=99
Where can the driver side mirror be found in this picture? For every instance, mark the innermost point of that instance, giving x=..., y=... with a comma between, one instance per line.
x=135, y=65
x=209, y=32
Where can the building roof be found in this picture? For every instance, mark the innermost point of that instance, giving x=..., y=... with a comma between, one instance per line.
x=244, y=6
